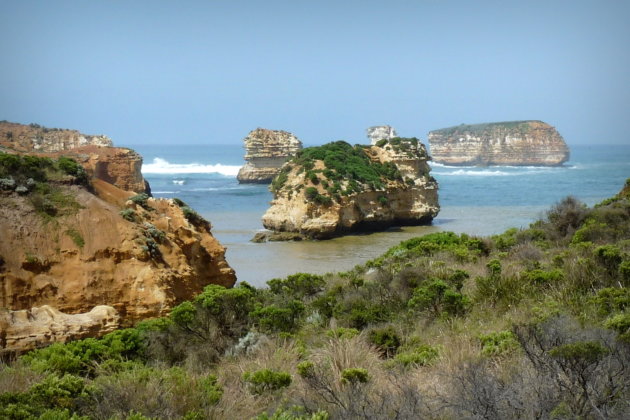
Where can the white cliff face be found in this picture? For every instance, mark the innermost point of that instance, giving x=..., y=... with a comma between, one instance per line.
x=510, y=143
x=265, y=152
x=322, y=210
x=380, y=132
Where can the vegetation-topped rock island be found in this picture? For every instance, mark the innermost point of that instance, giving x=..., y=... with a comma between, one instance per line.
x=514, y=143
x=337, y=188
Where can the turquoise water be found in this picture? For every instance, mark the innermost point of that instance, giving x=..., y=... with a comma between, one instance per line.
x=478, y=201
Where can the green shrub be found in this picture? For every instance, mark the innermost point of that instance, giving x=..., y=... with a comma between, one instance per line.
x=293, y=413
x=297, y=285
x=266, y=380
x=194, y=218
x=422, y=355
x=354, y=376
x=540, y=277
x=580, y=352
x=128, y=214
x=342, y=332
x=621, y=324
x=439, y=299
x=71, y=167
x=498, y=343
x=141, y=200
x=311, y=193
x=387, y=340
x=612, y=299
x=609, y=256
x=275, y=318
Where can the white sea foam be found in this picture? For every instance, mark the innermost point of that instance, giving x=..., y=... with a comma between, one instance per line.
x=464, y=172
x=179, y=181
x=163, y=192
x=162, y=166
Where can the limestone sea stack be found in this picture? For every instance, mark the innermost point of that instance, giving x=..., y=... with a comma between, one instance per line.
x=514, y=143
x=337, y=188
x=265, y=152
x=116, y=165
x=380, y=132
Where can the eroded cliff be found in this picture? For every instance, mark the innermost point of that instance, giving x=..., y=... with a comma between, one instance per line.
x=115, y=165
x=73, y=249
x=519, y=143
x=334, y=189
x=265, y=153
x=380, y=132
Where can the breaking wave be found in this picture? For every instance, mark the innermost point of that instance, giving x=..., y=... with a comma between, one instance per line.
x=162, y=166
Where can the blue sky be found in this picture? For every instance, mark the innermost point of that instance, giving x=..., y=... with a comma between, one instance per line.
x=208, y=72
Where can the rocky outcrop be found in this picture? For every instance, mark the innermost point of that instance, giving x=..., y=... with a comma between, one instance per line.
x=118, y=166
x=380, y=132
x=518, y=143
x=140, y=257
x=359, y=188
x=35, y=138
x=265, y=152
x=37, y=327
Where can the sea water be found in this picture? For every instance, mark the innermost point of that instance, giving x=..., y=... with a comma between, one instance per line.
x=478, y=201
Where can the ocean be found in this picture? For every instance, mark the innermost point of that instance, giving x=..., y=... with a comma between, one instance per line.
x=478, y=201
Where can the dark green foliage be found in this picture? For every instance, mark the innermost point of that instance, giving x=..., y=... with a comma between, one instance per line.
x=387, y=340
x=311, y=193
x=620, y=323
x=297, y=285
x=439, y=299
x=278, y=318
x=266, y=380
x=354, y=376
x=194, y=218
x=611, y=299
x=582, y=352
x=420, y=355
x=342, y=332
x=179, y=202
x=383, y=200
x=543, y=278
x=53, y=395
x=609, y=256
x=22, y=167
x=498, y=343
x=279, y=180
x=81, y=357
x=141, y=200
x=71, y=167
x=128, y=214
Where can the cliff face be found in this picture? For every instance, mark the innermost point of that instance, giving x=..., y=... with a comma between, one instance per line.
x=118, y=166
x=265, y=152
x=138, y=259
x=380, y=132
x=362, y=188
x=35, y=138
x=507, y=143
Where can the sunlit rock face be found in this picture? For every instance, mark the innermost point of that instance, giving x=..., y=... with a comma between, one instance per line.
x=313, y=202
x=380, y=132
x=265, y=153
x=517, y=143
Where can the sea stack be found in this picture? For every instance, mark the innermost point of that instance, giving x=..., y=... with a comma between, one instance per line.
x=514, y=143
x=265, y=152
x=337, y=188
x=380, y=132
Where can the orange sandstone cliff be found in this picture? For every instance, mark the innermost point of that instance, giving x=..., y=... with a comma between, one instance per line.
x=79, y=262
x=115, y=165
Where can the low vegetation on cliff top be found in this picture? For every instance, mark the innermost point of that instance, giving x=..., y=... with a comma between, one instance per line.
x=338, y=169
x=41, y=179
x=484, y=127
x=531, y=323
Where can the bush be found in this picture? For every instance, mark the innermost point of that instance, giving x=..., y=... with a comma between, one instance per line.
x=275, y=318
x=342, y=332
x=194, y=218
x=439, y=299
x=297, y=285
x=354, y=376
x=387, y=340
x=141, y=200
x=498, y=343
x=422, y=355
x=128, y=214
x=266, y=380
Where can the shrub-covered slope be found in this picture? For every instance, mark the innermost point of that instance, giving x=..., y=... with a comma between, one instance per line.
x=532, y=323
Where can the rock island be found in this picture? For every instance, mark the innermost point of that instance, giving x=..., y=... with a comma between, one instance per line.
x=517, y=143
x=337, y=188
